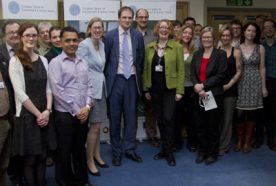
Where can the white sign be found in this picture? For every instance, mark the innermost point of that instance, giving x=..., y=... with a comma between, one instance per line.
x=157, y=10
x=27, y=9
x=86, y=9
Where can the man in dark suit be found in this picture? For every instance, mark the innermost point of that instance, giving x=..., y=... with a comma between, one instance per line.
x=124, y=49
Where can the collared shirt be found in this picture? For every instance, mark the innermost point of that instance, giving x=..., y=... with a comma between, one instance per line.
x=148, y=36
x=10, y=50
x=270, y=59
x=120, y=65
x=4, y=97
x=43, y=48
x=70, y=83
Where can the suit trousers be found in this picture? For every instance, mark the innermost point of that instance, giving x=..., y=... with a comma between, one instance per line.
x=71, y=167
x=123, y=102
x=207, y=127
x=164, y=110
x=5, y=143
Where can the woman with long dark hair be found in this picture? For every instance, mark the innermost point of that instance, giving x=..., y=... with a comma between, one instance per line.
x=251, y=86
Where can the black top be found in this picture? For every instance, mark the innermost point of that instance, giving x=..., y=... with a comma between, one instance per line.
x=53, y=52
x=230, y=72
x=158, y=78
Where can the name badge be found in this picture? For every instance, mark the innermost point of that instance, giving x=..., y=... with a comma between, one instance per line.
x=2, y=85
x=158, y=68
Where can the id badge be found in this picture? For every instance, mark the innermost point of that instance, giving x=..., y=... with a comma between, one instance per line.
x=2, y=85
x=158, y=68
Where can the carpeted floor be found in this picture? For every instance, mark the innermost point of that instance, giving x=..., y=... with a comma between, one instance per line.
x=234, y=169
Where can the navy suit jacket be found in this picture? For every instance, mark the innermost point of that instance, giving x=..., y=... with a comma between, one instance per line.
x=111, y=41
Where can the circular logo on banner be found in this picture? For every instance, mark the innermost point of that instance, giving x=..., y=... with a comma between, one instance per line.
x=74, y=9
x=13, y=7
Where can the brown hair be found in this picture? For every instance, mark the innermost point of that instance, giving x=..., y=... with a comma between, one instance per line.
x=22, y=55
x=179, y=36
x=170, y=27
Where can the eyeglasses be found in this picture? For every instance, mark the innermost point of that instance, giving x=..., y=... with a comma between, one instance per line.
x=12, y=33
x=29, y=36
x=143, y=17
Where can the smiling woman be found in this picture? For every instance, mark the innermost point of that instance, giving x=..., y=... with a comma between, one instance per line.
x=33, y=134
x=163, y=81
x=92, y=50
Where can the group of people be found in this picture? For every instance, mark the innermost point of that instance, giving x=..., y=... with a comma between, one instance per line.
x=61, y=89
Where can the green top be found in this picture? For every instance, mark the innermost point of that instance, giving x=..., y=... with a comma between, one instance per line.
x=174, y=66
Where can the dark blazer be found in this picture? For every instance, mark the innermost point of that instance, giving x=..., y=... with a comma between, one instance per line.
x=4, y=52
x=111, y=41
x=50, y=55
x=215, y=71
x=4, y=68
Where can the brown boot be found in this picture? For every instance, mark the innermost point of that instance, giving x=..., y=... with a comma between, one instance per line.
x=249, y=127
x=239, y=136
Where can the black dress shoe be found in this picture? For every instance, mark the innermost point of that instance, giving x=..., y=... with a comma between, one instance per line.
x=94, y=173
x=210, y=160
x=116, y=160
x=200, y=158
x=171, y=160
x=159, y=156
x=134, y=157
x=101, y=165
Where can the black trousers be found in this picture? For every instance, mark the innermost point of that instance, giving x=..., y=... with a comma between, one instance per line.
x=164, y=111
x=266, y=117
x=207, y=127
x=185, y=117
x=71, y=167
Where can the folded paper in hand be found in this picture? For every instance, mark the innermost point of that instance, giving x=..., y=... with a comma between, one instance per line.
x=209, y=102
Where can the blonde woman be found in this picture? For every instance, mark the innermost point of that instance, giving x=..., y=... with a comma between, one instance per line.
x=92, y=50
x=184, y=107
x=230, y=88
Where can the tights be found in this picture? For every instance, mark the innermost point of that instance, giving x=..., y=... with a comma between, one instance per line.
x=34, y=170
x=246, y=115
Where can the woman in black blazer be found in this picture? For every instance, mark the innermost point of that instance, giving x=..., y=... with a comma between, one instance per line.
x=208, y=70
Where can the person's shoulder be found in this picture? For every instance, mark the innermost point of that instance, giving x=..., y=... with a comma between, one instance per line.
x=111, y=33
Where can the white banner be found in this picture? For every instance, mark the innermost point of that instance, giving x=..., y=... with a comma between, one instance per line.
x=157, y=10
x=86, y=9
x=27, y=9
